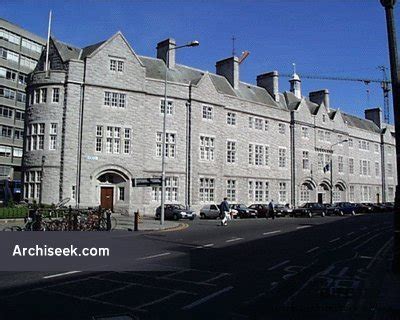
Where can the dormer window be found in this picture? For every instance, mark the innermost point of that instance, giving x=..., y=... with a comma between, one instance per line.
x=324, y=118
x=116, y=65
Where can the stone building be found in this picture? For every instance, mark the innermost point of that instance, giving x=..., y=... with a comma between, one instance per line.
x=19, y=53
x=96, y=120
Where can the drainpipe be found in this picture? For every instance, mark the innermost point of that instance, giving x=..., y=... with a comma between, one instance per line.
x=188, y=146
x=80, y=134
x=383, y=172
x=293, y=160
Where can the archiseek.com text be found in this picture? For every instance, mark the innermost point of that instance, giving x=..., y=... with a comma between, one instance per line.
x=71, y=251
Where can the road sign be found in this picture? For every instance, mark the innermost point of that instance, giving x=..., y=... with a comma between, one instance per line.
x=146, y=182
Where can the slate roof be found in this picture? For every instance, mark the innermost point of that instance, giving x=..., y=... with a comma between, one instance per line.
x=66, y=51
x=90, y=49
x=360, y=123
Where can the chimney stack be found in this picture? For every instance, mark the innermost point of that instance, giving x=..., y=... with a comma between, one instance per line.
x=270, y=82
x=375, y=115
x=320, y=96
x=163, y=47
x=229, y=68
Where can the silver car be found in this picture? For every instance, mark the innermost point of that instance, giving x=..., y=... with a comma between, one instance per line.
x=209, y=211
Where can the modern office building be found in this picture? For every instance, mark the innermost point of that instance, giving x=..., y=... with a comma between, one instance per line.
x=95, y=120
x=19, y=53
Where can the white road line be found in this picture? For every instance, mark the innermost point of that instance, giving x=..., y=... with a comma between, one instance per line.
x=209, y=245
x=365, y=257
x=206, y=298
x=334, y=240
x=328, y=270
x=60, y=274
x=271, y=232
x=302, y=227
x=343, y=272
x=278, y=265
x=235, y=239
x=155, y=256
x=313, y=249
x=379, y=252
x=350, y=233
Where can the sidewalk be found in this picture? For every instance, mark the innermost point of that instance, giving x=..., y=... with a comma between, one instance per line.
x=388, y=304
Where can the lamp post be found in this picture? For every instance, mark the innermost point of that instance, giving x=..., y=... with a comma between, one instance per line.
x=394, y=68
x=190, y=44
x=331, y=164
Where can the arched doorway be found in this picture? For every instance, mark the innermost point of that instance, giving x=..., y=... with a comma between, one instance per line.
x=323, y=192
x=307, y=191
x=339, y=192
x=113, y=189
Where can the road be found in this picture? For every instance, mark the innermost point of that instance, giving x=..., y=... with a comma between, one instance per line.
x=287, y=268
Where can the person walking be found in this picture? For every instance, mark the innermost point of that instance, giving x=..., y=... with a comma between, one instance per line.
x=224, y=211
x=271, y=209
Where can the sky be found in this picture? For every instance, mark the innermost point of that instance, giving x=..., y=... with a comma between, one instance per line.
x=328, y=38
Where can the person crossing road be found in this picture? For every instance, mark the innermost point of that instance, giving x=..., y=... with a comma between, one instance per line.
x=224, y=211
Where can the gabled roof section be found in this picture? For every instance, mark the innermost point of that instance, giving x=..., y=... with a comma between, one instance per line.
x=222, y=85
x=292, y=102
x=90, y=49
x=66, y=51
x=99, y=46
x=359, y=123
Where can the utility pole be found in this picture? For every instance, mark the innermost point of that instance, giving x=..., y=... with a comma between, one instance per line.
x=394, y=70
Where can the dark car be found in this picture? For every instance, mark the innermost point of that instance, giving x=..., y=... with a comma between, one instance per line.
x=175, y=212
x=309, y=209
x=262, y=209
x=243, y=211
x=341, y=208
x=281, y=210
x=363, y=208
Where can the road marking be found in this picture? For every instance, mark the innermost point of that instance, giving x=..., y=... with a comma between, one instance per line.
x=60, y=274
x=313, y=249
x=155, y=256
x=334, y=240
x=328, y=270
x=366, y=241
x=365, y=257
x=235, y=239
x=350, y=233
x=278, y=265
x=379, y=252
x=271, y=232
x=302, y=227
x=209, y=245
x=206, y=298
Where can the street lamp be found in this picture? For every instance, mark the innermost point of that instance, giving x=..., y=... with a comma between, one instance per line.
x=331, y=163
x=394, y=68
x=190, y=44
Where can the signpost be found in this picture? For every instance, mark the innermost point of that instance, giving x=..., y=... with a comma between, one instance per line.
x=146, y=182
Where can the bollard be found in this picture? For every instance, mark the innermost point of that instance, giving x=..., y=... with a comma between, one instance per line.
x=136, y=221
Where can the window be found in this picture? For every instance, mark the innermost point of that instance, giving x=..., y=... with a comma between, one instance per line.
x=340, y=140
x=170, y=144
x=231, y=118
x=43, y=95
x=282, y=158
x=32, y=184
x=53, y=136
x=363, y=145
x=251, y=154
x=366, y=193
x=376, y=146
x=171, y=190
x=9, y=55
x=304, y=193
x=99, y=138
x=17, y=152
x=351, y=143
x=206, y=190
x=206, y=148
x=323, y=118
x=365, y=169
x=351, y=166
x=305, y=134
x=258, y=124
x=351, y=194
x=306, y=160
x=207, y=112
x=33, y=46
x=231, y=151
x=327, y=136
x=73, y=192
x=320, y=135
x=114, y=99
x=324, y=161
x=266, y=125
x=9, y=36
x=231, y=189
x=282, y=192
x=19, y=115
x=120, y=66
x=6, y=131
x=28, y=62
x=18, y=134
x=282, y=128
x=258, y=155
x=251, y=122
x=22, y=78
x=169, y=106
x=37, y=95
x=266, y=156
x=8, y=74
x=121, y=193
x=7, y=93
x=391, y=193
x=56, y=95
x=117, y=140
x=116, y=65
x=390, y=170
x=6, y=112
x=340, y=164
x=258, y=190
x=377, y=170
x=21, y=97
x=127, y=141
x=5, y=151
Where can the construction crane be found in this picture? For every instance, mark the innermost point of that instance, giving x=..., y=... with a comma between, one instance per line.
x=385, y=85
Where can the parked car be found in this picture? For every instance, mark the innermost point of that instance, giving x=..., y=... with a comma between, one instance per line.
x=363, y=208
x=262, y=209
x=209, y=211
x=281, y=210
x=175, y=212
x=243, y=211
x=309, y=209
x=341, y=208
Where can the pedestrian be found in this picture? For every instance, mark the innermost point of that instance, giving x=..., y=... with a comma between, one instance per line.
x=271, y=209
x=224, y=211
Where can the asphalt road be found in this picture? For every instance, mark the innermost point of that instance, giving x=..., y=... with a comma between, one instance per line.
x=287, y=268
